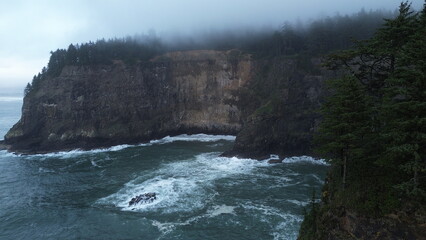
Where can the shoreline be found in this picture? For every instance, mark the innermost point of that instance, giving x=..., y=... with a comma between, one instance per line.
x=271, y=158
x=114, y=144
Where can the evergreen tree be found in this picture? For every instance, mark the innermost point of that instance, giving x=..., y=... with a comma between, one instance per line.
x=372, y=61
x=404, y=108
x=71, y=55
x=389, y=110
x=56, y=62
x=345, y=124
x=27, y=89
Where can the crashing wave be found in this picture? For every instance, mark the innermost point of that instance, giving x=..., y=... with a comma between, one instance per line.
x=305, y=159
x=165, y=140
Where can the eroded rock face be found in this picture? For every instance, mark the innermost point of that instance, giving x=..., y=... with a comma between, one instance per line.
x=286, y=122
x=86, y=107
x=338, y=223
x=270, y=104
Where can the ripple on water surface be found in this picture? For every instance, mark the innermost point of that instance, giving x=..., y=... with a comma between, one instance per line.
x=200, y=195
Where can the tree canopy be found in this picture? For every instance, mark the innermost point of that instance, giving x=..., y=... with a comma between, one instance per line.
x=316, y=38
x=375, y=119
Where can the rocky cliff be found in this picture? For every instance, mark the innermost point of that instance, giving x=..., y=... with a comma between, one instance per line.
x=283, y=98
x=101, y=105
x=336, y=219
x=269, y=103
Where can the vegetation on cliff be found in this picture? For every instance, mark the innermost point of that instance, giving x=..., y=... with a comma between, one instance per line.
x=313, y=39
x=374, y=133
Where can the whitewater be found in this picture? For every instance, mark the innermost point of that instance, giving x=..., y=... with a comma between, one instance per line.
x=200, y=195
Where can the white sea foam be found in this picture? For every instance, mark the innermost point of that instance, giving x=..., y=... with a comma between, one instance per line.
x=94, y=163
x=222, y=209
x=288, y=221
x=182, y=186
x=297, y=202
x=282, y=232
x=189, y=186
x=5, y=153
x=76, y=152
x=318, y=179
x=215, y=211
x=165, y=140
x=45, y=170
x=165, y=228
x=168, y=227
x=193, y=138
x=305, y=159
x=265, y=210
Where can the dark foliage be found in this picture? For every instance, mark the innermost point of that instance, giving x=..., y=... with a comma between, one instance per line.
x=374, y=121
x=318, y=37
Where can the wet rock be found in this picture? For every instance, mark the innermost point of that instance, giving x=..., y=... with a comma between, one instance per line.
x=3, y=146
x=274, y=161
x=143, y=198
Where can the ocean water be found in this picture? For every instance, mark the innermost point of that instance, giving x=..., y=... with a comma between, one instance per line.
x=200, y=195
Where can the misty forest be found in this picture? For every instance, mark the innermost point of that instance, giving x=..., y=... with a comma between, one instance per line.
x=299, y=41
x=368, y=121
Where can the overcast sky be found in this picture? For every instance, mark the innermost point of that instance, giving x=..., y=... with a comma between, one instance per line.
x=31, y=29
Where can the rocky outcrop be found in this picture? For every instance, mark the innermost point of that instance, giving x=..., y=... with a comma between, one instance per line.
x=284, y=121
x=94, y=106
x=348, y=225
x=143, y=198
x=270, y=104
x=341, y=223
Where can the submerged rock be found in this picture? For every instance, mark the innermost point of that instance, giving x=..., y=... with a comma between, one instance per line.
x=143, y=198
x=275, y=161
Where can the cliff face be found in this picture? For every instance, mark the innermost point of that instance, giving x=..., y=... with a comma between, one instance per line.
x=286, y=116
x=86, y=107
x=337, y=219
x=269, y=103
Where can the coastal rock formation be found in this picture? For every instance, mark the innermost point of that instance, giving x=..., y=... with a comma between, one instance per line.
x=270, y=104
x=102, y=105
x=143, y=198
x=285, y=120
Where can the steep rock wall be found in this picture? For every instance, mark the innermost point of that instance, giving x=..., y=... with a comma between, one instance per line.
x=94, y=106
x=270, y=104
x=285, y=95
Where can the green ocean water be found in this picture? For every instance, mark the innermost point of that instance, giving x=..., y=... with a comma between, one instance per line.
x=200, y=195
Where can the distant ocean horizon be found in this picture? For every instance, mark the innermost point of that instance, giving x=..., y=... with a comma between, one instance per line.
x=12, y=91
x=10, y=108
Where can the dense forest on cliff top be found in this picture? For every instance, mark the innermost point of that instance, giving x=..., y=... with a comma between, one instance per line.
x=374, y=128
x=312, y=39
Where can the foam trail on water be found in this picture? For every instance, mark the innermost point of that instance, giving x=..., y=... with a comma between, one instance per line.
x=193, y=138
x=287, y=221
x=165, y=140
x=299, y=203
x=168, y=227
x=76, y=152
x=191, y=186
x=182, y=186
x=305, y=159
x=5, y=153
x=222, y=209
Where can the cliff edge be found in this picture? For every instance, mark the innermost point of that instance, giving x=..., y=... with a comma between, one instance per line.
x=270, y=104
x=102, y=105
